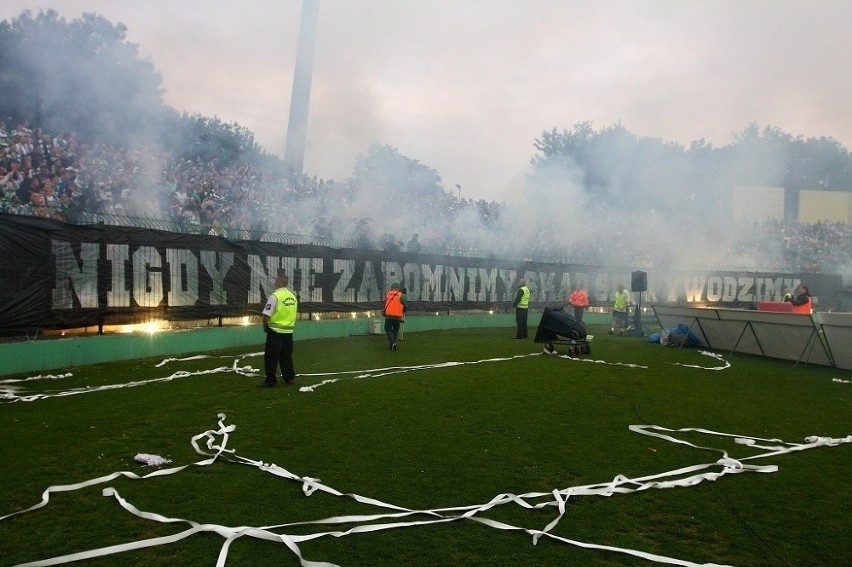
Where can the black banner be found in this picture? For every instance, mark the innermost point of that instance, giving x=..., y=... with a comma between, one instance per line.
x=56, y=275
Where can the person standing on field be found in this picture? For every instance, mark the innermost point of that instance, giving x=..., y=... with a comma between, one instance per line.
x=393, y=313
x=279, y=320
x=620, y=307
x=579, y=300
x=522, y=307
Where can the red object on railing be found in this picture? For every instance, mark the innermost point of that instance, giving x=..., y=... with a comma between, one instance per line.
x=776, y=306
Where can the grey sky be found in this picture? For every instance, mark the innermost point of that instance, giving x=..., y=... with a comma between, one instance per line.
x=465, y=86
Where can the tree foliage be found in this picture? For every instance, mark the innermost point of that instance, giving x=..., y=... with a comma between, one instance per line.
x=80, y=75
x=385, y=170
x=199, y=137
x=619, y=168
x=84, y=76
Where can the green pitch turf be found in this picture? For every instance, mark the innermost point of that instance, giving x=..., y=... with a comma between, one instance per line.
x=425, y=434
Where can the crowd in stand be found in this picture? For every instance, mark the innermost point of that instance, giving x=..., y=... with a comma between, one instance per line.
x=821, y=247
x=50, y=175
x=53, y=175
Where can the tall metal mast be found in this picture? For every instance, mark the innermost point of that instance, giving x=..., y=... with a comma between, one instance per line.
x=297, y=127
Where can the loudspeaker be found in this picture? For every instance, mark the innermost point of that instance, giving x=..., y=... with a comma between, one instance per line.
x=639, y=281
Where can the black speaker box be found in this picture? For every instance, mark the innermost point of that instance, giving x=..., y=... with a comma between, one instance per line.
x=639, y=281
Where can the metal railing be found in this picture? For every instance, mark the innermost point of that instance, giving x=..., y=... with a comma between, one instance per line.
x=90, y=218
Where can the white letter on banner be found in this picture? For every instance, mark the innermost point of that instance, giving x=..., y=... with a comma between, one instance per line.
x=455, y=281
x=564, y=287
x=118, y=295
x=343, y=292
x=180, y=294
x=509, y=278
x=772, y=289
x=392, y=272
x=714, y=288
x=729, y=288
x=218, y=295
x=431, y=283
x=147, y=277
x=369, y=288
x=672, y=282
x=694, y=288
x=82, y=280
x=487, y=284
x=259, y=284
x=301, y=272
x=411, y=280
x=745, y=294
x=469, y=287
x=532, y=283
x=310, y=268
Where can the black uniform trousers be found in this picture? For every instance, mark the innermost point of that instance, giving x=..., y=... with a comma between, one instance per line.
x=279, y=352
x=521, y=323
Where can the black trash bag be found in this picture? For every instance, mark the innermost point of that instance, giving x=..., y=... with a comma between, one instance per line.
x=558, y=326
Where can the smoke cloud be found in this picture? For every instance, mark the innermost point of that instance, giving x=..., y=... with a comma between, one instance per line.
x=464, y=91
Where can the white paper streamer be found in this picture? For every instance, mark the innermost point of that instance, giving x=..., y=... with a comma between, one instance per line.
x=391, y=515
x=380, y=372
x=718, y=357
x=202, y=357
x=10, y=395
x=39, y=377
x=14, y=394
x=597, y=361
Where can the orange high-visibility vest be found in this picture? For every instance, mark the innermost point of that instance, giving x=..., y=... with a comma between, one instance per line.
x=393, y=304
x=579, y=298
x=804, y=308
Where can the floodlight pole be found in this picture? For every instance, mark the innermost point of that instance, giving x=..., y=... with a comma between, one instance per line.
x=297, y=127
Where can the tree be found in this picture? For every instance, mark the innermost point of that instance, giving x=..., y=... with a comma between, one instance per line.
x=199, y=137
x=383, y=170
x=819, y=163
x=83, y=76
x=80, y=76
x=616, y=168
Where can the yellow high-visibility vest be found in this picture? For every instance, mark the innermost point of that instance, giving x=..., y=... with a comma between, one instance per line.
x=284, y=318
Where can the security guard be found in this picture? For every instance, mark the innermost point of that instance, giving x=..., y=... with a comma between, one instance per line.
x=522, y=307
x=579, y=300
x=279, y=319
x=620, y=307
x=393, y=312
